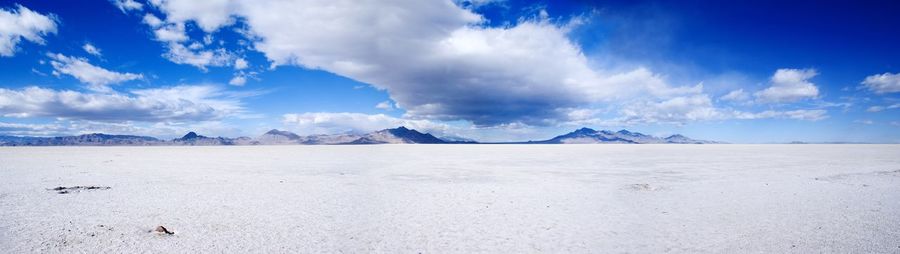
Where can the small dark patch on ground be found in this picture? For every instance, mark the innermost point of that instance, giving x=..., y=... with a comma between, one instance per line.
x=163, y=230
x=67, y=190
x=643, y=187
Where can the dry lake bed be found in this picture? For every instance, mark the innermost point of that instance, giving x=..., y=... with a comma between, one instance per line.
x=452, y=199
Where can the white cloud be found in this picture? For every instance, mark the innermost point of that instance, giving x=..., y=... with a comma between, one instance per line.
x=240, y=64
x=23, y=129
x=152, y=20
x=238, y=80
x=127, y=5
x=179, y=103
x=789, y=85
x=207, y=39
x=209, y=15
x=864, y=121
x=736, y=96
x=97, y=78
x=171, y=33
x=181, y=50
x=91, y=49
x=801, y=114
x=432, y=57
x=332, y=123
x=477, y=3
x=179, y=54
x=35, y=71
x=875, y=109
x=22, y=23
x=883, y=83
x=881, y=108
x=677, y=110
x=385, y=105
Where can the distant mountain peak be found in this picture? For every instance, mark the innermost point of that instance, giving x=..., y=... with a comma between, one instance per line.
x=190, y=135
x=585, y=130
x=633, y=134
x=278, y=136
x=280, y=132
x=675, y=136
x=401, y=135
x=402, y=131
x=193, y=139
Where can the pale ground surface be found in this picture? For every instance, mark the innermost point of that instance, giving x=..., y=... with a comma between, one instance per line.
x=453, y=199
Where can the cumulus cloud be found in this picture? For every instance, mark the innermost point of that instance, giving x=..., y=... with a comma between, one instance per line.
x=179, y=103
x=736, y=96
x=677, y=110
x=97, y=78
x=332, y=123
x=789, y=85
x=172, y=33
x=180, y=54
x=238, y=80
x=127, y=5
x=209, y=15
x=240, y=64
x=385, y=105
x=432, y=57
x=883, y=83
x=22, y=23
x=91, y=49
x=180, y=50
x=152, y=21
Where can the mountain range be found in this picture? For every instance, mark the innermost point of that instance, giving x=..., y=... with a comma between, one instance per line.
x=400, y=135
x=591, y=136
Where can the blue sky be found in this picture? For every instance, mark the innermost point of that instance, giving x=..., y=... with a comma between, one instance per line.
x=746, y=72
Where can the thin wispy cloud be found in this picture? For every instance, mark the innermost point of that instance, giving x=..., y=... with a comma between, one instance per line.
x=91, y=49
x=97, y=78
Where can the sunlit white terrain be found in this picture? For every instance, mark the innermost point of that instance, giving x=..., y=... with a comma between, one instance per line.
x=452, y=199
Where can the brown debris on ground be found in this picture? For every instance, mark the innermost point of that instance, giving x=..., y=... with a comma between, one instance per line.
x=66, y=190
x=161, y=229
